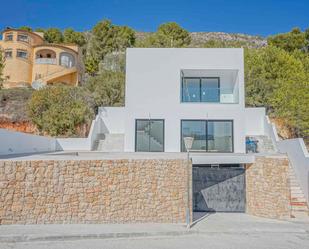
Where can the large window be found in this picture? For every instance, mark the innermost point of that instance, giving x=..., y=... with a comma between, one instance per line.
x=22, y=54
x=8, y=53
x=9, y=37
x=209, y=135
x=205, y=89
x=23, y=38
x=67, y=60
x=149, y=135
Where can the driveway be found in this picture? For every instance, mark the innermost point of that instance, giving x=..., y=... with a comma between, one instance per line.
x=222, y=231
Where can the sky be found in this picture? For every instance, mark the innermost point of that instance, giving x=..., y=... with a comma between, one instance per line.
x=259, y=17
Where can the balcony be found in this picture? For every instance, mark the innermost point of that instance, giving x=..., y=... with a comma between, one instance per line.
x=49, y=61
x=210, y=95
x=209, y=86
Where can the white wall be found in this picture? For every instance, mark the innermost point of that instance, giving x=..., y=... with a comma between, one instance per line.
x=255, y=121
x=79, y=144
x=113, y=119
x=73, y=144
x=299, y=158
x=153, y=90
x=12, y=142
x=271, y=131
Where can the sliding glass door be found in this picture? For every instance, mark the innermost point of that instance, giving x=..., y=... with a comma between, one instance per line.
x=209, y=135
x=201, y=89
x=219, y=136
x=149, y=135
x=210, y=90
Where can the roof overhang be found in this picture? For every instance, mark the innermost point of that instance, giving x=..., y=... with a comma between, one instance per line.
x=207, y=72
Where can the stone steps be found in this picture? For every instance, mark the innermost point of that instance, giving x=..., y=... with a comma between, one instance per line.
x=299, y=206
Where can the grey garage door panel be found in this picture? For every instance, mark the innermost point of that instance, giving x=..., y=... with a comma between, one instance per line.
x=219, y=189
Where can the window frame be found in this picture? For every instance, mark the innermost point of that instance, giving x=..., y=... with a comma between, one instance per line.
x=149, y=120
x=206, y=132
x=22, y=34
x=200, y=89
x=22, y=50
x=9, y=35
x=8, y=50
x=71, y=58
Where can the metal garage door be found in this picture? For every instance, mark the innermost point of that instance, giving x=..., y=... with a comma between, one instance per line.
x=218, y=189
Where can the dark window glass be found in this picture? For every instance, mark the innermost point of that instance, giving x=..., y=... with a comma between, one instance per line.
x=23, y=38
x=149, y=135
x=9, y=37
x=201, y=89
x=210, y=90
x=22, y=54
x=191, y=90
x=197, y=130
x=8, y=54
x=219, y=136
x=210, y=136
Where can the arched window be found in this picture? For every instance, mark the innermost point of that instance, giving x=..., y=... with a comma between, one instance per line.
x=67, y=60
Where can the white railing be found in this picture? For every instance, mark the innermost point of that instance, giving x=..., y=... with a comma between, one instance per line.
x=229, y=95
x=212, y=95
x=50, y=61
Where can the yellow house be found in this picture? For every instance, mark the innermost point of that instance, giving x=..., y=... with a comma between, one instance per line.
x=29, y=60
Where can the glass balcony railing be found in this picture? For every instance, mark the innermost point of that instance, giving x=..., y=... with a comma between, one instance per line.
x=50, y=61
x=211, y=95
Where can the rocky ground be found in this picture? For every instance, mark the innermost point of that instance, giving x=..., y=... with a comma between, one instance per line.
x=13, y=110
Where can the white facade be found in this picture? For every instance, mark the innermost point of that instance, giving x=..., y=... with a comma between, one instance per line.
x=154, y=83
x=153, y=90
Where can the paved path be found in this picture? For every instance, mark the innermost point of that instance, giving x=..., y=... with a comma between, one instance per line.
x=214, y=231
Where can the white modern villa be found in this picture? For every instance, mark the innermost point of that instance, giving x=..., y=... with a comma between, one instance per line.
x=175, y=93
x=172, y=94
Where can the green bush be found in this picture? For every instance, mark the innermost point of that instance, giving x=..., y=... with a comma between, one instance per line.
x=279, y=80
x=58, y=110
x=168, y=35
x=107, y=88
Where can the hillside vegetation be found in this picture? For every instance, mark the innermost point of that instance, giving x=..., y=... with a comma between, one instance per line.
x=276, y=73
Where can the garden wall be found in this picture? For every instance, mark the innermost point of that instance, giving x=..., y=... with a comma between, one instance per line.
x=93, y=191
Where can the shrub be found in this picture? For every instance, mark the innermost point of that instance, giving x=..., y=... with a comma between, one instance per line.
x=107, y=88
x=58, y=110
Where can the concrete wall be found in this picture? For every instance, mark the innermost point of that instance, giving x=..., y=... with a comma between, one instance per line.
x=299, y=157
x=93, y=191
x=255, y=121
x=271, y=131
x=73, y=144
x=113, y=119
x=18, y=143
x=153, y=90
x=82, y=144
x=268, y=187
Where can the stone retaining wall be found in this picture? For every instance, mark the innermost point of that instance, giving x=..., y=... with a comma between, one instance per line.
x=268, y=188
x=103, y=191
